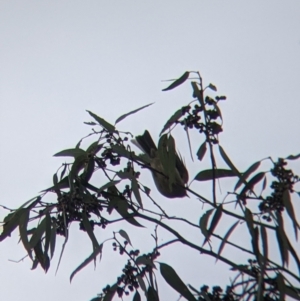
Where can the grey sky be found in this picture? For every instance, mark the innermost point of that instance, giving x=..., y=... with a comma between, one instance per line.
x=60, y=58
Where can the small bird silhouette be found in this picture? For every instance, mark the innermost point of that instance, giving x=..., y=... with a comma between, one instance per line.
x=161, y=180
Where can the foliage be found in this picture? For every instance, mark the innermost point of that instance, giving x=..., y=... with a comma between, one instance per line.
x=263, y=202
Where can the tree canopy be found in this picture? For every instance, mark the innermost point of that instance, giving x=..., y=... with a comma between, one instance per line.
x=102, y=189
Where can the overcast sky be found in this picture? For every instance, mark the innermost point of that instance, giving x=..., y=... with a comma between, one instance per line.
x=60, y=58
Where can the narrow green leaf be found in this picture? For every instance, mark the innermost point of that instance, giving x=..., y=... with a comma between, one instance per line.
x=47, y=232
x=52, y=240
x=225, y=238
x=72, y=152
x=228, y=161
x=290, y=210
x=64, y=183
x=125, y=235
x=294, y=254
x=176, y=116
x=91, y=258
x=89, y=230
x=136, y=191
x=282, y=238
x=198, y=93
x=246, y=174
x=264, y=238
x=35, y=264
x=201, y=151
x=178, y=81
x=42, y=258
x=215, y=220
x=204, y=221
x=210, y=174
x=152, y=294
x=137, y=296
x=63, y=171
x=249, y=220
x=38, y=233
x=109, y=127
x=281, y=286
x=212, y=87
x=90, y=123
x=250, y=185
x=109, y=184
x=55, y=179
x=264, y=185
x=11, y=222
x=23, y=222
x=255, y=246
x=218, y=110
x=78, y=144
x=282, y=244
x=121, y=207
x=88, y=170
x=77, y=166
x=132, y=112
x=292, y=292
x=171, y=277
x=141, y=283
x=293, y=157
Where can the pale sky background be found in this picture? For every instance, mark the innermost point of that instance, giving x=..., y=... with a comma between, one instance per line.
x=60, y=58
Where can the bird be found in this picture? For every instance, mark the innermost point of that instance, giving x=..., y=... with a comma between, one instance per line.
x=180, y=177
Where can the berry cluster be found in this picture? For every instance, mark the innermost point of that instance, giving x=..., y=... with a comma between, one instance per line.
x=285, y=180
x=72, y=205
x=216, y=294
x=108, y=154
x=128, y=281
x=193, y=119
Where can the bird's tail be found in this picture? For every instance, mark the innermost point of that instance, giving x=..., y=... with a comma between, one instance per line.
x=146, y=143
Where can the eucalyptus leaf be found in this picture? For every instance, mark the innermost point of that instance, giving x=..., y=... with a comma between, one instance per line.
x=225, y=238
x=214, y=222
x=176, y=116
x=137, y=296
x=132, y=112
x=212, y=87
x=246, y=174
x=228, y=161
x=152, y=294
x=290, y=210
x=109, y=127
x=125, y=235
x=178, y=81
x=201, y=151
x=172, y=278
x=40, y=230
x=210, y=174
x=88, y=228
x=91, y=258
x=136, y=191
x=204, y=221
x=72, y=152
x=293, y=157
